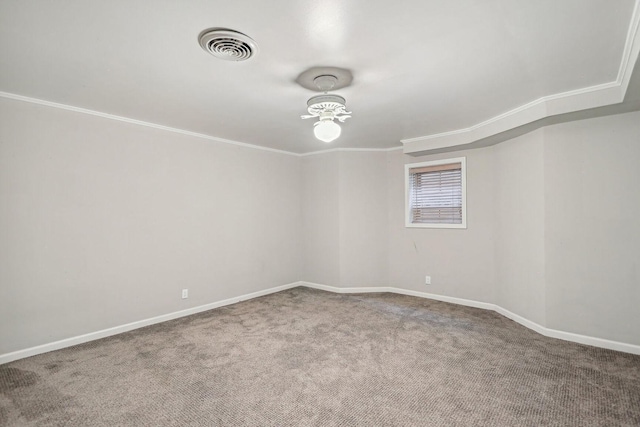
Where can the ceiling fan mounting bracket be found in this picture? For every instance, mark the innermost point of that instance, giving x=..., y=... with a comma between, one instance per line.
x=324, y=79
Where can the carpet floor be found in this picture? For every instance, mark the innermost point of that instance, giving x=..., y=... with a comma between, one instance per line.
x=304, y=357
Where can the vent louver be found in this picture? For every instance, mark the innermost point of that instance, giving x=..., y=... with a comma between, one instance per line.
x=228, y=44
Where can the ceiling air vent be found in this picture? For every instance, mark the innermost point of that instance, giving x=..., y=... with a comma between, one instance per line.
x=228, y=44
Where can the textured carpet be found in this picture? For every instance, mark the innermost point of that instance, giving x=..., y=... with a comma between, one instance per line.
x=304, y=357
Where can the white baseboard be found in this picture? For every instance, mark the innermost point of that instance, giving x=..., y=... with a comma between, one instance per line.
x=378, y=289
x=68, y=342
x=570, y=336
x=552, y=333
x=336, y=290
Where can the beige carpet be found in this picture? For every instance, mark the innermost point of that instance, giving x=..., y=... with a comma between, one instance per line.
x=304, y=357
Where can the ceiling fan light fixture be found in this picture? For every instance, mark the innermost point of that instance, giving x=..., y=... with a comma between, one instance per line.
x=327, y=130
x=327, y=108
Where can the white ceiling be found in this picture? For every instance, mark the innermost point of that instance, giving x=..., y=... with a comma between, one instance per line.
x=420, y=67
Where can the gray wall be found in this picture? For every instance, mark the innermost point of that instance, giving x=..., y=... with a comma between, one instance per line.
x=103, y=223
x=321, y=219
x=540, y=241
x=459, y=261
x=363, y=219
x=345, y=219
x=519, y=226
x=592, y=227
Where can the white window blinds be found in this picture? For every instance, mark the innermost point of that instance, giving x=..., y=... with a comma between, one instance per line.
x=436, y=194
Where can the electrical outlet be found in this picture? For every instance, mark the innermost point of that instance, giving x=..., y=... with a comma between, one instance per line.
x=427, y=280
x=185, y=293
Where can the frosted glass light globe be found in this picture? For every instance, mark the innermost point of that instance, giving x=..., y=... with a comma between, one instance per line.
x=327, y=130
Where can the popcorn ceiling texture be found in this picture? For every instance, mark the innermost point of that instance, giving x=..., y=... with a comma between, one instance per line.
x=304, y=357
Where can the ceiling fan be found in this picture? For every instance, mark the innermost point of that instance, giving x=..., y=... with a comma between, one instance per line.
x=327, y=107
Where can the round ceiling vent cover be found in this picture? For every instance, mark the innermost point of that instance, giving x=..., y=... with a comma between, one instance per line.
x=228, y=44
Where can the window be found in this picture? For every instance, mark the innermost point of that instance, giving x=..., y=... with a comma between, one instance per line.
x=436, y=194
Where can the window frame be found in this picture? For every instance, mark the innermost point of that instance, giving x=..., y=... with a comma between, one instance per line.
x=407, y=193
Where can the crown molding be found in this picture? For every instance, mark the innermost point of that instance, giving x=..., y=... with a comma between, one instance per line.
x=567, y=102
x=631, y=49
x=348, y=150
x=51, y=104
x=139, y=122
